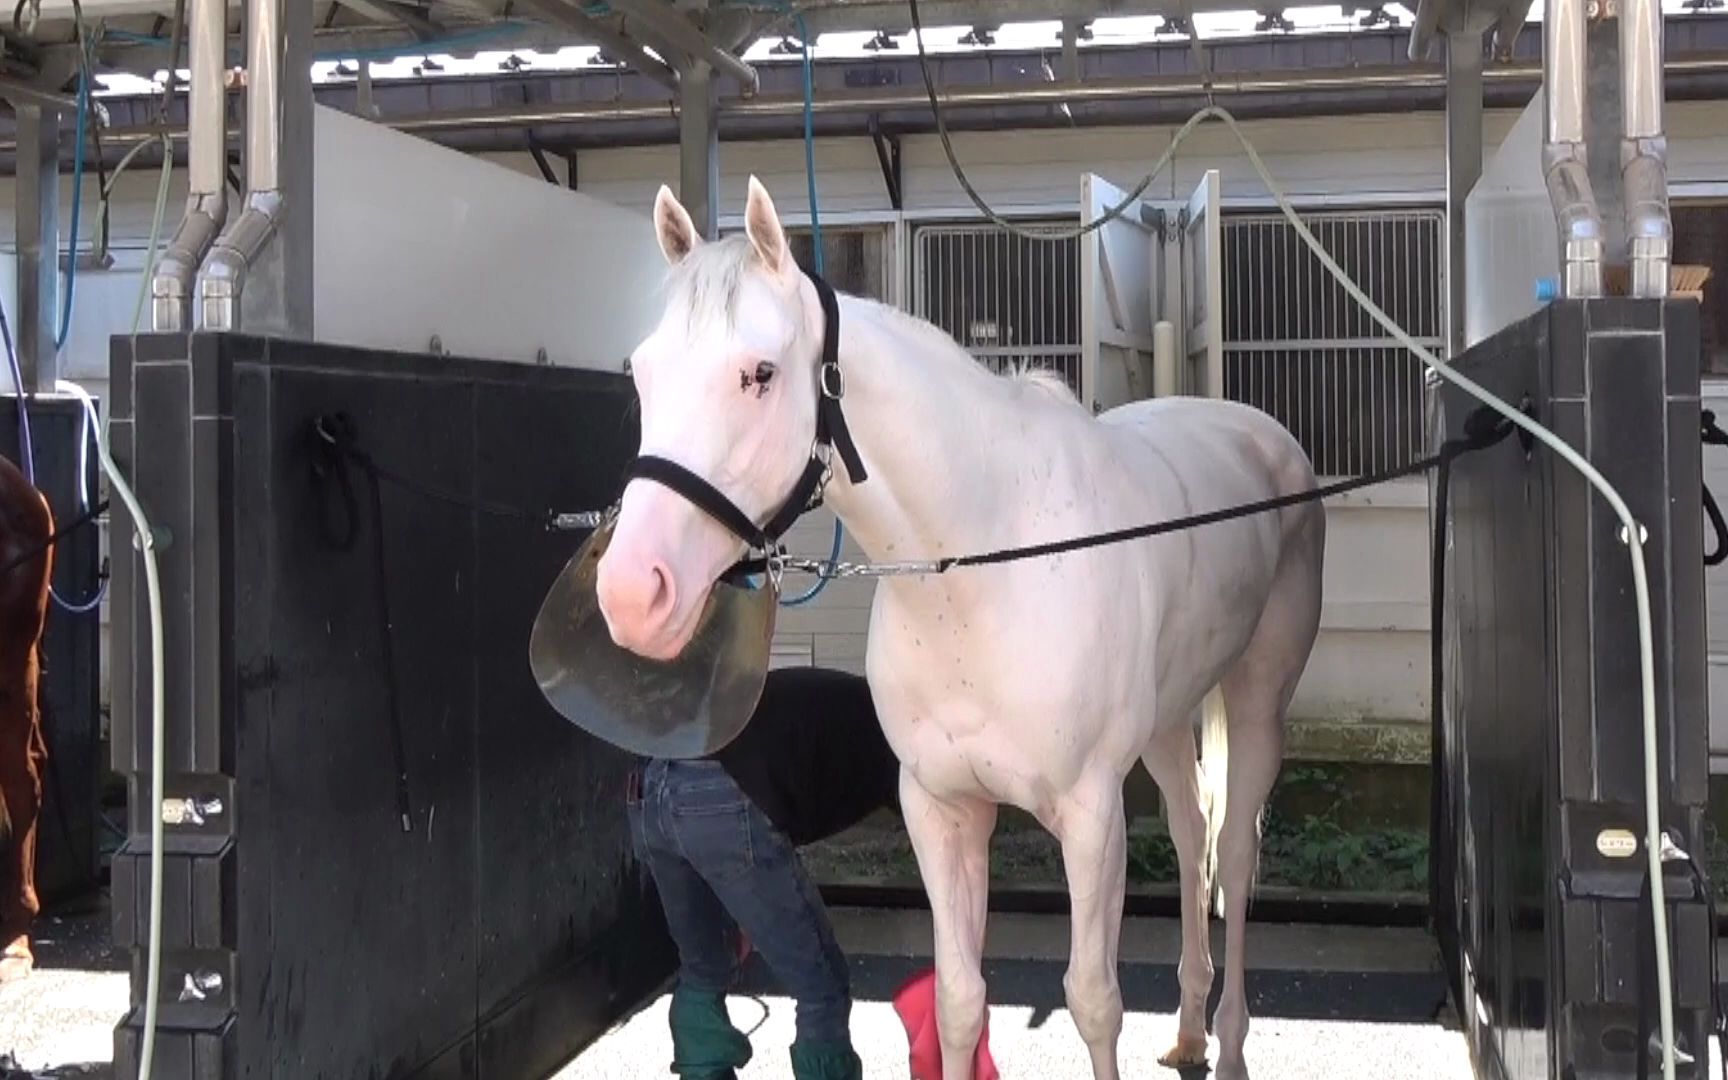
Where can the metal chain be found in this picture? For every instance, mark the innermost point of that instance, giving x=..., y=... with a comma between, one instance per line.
x=841, y=569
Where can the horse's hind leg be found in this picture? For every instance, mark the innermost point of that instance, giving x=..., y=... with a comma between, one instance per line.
x=1175, y=766
x=1257, y=691
x=1095, y=856
x=952, y=842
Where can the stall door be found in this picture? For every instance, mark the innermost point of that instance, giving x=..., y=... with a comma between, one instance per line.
x=1203, y=291
x=1120, y=287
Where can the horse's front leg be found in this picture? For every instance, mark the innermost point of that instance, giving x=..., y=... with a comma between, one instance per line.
x=1090, y=826
x=952, y=842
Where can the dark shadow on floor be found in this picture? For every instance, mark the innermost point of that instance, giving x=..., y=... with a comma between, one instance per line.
x=1387, y=998
x=9, y=1070
x=77, y=936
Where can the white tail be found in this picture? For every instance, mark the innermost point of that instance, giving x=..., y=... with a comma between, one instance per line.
x=1214, y=783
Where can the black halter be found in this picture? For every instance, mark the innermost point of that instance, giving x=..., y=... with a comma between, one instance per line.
x=831, y=434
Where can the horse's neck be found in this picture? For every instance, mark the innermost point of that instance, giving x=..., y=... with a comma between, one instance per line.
x=923, y=415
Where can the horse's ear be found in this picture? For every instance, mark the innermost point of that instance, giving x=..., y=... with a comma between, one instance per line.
x=672, y=224
x=762, y=226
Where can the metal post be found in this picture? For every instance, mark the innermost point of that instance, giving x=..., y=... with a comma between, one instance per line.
x=278, y=295
x=363, y=102
x=1071, y=49
x=699, y=148
x=1463, y=167
x=37, y=213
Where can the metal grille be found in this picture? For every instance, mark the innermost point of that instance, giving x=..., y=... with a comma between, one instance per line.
x=1298, y=347
x=853, y=258
x=1007, y=299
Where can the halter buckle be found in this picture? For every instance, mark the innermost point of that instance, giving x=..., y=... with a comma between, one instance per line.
x=774, y=561
x=832, y=381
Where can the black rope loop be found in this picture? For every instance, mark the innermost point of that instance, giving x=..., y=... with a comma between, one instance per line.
x=1713, y=435
x=333, y=443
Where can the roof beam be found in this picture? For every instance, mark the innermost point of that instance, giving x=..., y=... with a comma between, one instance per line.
x=665, y=21
x=385, y=11
x=599, y=33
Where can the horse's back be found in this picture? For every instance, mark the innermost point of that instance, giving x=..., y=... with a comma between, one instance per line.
x=1234, y=450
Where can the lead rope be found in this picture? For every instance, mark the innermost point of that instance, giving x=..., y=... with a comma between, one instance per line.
x=1481, y=430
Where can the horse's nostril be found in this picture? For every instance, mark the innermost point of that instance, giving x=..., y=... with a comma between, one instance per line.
x=660, y=595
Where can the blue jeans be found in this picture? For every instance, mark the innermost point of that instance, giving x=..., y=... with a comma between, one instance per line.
x=718, y=864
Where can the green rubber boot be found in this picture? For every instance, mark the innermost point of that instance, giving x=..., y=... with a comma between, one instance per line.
x=705, y=1045
x=825, y=1061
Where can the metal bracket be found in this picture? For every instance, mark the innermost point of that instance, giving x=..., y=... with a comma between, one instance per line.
x=538, y=153
x=888, y=156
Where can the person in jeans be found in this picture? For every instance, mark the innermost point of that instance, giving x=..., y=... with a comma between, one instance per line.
x=720, y=836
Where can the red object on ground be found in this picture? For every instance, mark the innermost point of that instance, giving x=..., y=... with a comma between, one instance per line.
x=916, y=1004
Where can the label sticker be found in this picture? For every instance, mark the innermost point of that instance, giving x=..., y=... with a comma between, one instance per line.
x=1617, y=843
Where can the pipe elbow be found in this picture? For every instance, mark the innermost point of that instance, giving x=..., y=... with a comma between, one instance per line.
x=1579, y=220
x=1568, y=180
x=177, y=268
x=223, y=279
x=1644, y=178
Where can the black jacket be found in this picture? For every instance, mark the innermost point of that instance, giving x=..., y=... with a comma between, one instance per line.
x=813, y=756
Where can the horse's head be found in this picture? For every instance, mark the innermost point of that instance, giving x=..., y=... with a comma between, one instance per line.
x=728, y=390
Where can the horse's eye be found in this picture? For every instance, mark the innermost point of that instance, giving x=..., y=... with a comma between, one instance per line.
x=764, y=373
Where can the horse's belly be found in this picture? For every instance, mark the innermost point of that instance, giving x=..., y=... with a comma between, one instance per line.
x=1017, y=710
x=954, y=756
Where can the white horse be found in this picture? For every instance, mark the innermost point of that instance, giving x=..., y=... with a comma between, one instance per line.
x=1036, y=683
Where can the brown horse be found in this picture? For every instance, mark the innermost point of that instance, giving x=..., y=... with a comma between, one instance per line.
x=26, y=523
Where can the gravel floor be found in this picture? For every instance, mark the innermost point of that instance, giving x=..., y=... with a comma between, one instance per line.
x=1029, y=1045
x=60, y=1021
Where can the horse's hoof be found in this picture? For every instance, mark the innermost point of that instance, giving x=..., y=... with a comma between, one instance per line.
x=1187, y=1053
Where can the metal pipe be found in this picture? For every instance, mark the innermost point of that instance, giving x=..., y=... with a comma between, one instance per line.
x=224, y=277
x=1644, y=148
x=207, y=200
x=1426, y=77
x=36, y=211
x=681, y=33
x=1565, y=160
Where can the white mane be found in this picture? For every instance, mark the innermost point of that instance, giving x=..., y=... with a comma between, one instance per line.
x=1041, y=379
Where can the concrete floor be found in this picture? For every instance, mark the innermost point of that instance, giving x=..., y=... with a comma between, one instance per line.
x=1328, y=1002
x=1331, y=1003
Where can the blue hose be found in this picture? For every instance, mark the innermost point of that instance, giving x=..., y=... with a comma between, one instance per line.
x=27, y=458
x=815, y=243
